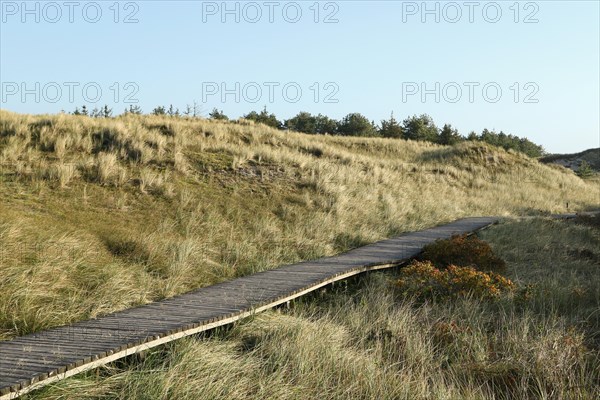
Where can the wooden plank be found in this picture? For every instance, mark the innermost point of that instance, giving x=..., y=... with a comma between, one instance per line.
x=51, y=351
x=186, y=308
x=244, y=295
x=149, y=318
x=140, y=334
x=53, y=344
x=14, y=356
x=31, y=374
x=73, y=334
x=275, y=282
x=151, y=326
x=301, y=270
x=54, y=366
x=195, y=305
x=192, y=314
x=123, y=326
x=91, y=340
x=75, y=360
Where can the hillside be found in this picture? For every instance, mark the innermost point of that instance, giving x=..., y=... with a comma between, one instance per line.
x=98, y=215
x=366, y=340
x=102, y=214
x=574, y=161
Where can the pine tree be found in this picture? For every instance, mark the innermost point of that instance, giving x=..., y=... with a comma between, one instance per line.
x=585, y=170
x=421, y=128
x=218, y=115
x=391, y=128
x=326, y=125
x=84, y=110
x=95, y=113
x=106, y=112
x=356, y=124
x=160, y=110
x=303, y=122
x=264, y=118
x=449, y=136
x=134, y=110
x=472, y=136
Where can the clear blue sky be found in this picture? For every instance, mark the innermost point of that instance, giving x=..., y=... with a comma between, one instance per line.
x=377, y=57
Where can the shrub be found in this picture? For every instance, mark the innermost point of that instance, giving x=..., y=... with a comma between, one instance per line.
x=463, y=251
x=422, y=280
x=585, y=170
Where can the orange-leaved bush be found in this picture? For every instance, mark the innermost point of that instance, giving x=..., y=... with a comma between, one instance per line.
x=422, y=280
x=463, y=251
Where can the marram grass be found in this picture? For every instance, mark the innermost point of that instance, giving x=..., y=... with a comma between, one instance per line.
x=367, y=342
x=98, y=215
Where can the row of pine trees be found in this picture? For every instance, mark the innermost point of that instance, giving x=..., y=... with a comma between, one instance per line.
x=416, y=127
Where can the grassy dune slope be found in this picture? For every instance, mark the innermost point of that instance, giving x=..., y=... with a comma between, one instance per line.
x=590, y=156
x=366, y=342
x=99, y=215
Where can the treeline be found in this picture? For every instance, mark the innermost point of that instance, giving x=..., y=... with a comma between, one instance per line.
x=416, y=127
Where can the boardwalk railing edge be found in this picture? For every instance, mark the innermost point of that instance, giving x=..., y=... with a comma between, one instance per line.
x=30, y=384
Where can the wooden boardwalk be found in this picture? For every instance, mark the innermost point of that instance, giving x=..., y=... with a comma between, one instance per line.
x=29, y=362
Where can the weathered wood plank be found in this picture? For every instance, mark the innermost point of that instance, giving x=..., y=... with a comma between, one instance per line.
x=52, y=366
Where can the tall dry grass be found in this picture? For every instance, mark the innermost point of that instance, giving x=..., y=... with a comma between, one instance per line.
x=366, y=342
x=164, y=205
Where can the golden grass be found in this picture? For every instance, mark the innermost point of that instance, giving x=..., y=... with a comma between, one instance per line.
x=365, y=342
x=97, y=215
x=138, y=208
